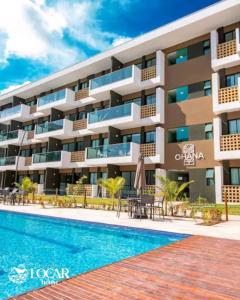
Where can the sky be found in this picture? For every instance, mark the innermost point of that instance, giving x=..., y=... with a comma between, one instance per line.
x=40, y=37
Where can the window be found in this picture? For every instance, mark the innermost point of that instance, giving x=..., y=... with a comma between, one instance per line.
x=135, y=138
x=207, y=87
x=210, y=177
x=178, y=135
x=178, y=95
x=95, y=143
x=26, y=152
x=151, y=99
x=229, y=36
x=150, y=177
x=93, y=178
x=206, y=47
x=151, y=62
x=178, y=56
x=69, y=147
x=84, y=85
x=74, y=88
x=72, y=117
x=234, y=126
x=129, y=177
x=139, y=65
x=149, y=137
x=137, y=101
x=181, y=55
x=208, y=131
x=105, y=142
x=28, y=127
x=81, y=115
x=31, y=103
x=80, y=146
x=235, y=176
x=232, y=80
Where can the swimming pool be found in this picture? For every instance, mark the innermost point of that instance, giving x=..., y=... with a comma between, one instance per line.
x=36, y=251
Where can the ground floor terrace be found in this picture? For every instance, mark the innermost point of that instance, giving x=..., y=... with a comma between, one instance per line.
x=205, y=265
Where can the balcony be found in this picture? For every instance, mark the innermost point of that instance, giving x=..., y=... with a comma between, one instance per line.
x=117, y=154
x=12, y=137
x=54, y=159
x=226, y=146
x=77, y=159
x=225, y=99
x=121, y=117
x=60, y=129
x=11, y=163
x=83, y=98
x=63, y=100
x=127, y=115
x=19, y=113
x=225, y=55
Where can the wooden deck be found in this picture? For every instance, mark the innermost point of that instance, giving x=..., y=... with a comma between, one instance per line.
x=195, y=268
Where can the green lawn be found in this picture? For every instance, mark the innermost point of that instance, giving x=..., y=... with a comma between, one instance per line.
x=232, y=209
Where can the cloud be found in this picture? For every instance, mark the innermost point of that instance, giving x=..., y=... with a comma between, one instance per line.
x=37, y=29
x=13, y=87
x=120, y=40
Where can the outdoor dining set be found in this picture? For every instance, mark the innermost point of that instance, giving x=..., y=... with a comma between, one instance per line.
x=12, y=196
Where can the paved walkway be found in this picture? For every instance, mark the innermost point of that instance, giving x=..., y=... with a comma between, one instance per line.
x=200, y=268
x=229, y=230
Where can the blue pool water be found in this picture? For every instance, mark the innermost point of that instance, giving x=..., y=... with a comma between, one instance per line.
x=36, y=251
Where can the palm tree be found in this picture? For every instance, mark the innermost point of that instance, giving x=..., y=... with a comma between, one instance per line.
x=78, y=189
x=113, y=186
x=171, y=190
x=27, y=186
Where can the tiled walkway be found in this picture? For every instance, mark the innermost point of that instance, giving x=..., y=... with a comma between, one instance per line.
x=195, y=268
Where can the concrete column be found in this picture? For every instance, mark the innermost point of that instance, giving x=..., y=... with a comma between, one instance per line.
x=217, y=132
x=160, y=143
x=218, y=183
x=214, y=44
x=160, y=104
x=238, y=40
x=215, y=88
x=160, y=66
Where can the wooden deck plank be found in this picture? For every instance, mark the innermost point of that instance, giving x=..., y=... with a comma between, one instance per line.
x=195, y=268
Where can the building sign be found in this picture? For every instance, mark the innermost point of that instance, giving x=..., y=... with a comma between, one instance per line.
x=189, y=156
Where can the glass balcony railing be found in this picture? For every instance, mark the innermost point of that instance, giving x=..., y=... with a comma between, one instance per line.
x=110, y=113
x=47, y=157
x=49, y=126
x=105, y=151
x=53, y=97
x=7, y=161
x=111, y=77
x=10, y=111
x=8, y=135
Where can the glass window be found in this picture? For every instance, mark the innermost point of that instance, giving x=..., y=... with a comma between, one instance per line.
x=229, y=36
x=72, y=117
x=135, y=138
x=139, y=65
x=74, y=88
x=150, y=177
x=151, y=99
x=206, y=47
x=182, y=134
x=151, y=62
x=95, y=143
x=207, y=88
x=80, y=146
x=93, y=178
x=84, y=85
x=31, y=103
x=234, y=126
x=81, y=115
x=129, y=177
x=26, y=152
x=235, y=176
x=28, y=127
x=181, y=93
x=210, y=176
x=208, y=131
x=181, y=55
x=232, y=80
x=149, y=137
x=137, y=101
x=69, y=147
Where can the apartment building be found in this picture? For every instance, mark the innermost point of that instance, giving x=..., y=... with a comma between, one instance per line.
x=172, y=94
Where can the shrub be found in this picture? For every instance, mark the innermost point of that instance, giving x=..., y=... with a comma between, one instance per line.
x=211, y=216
